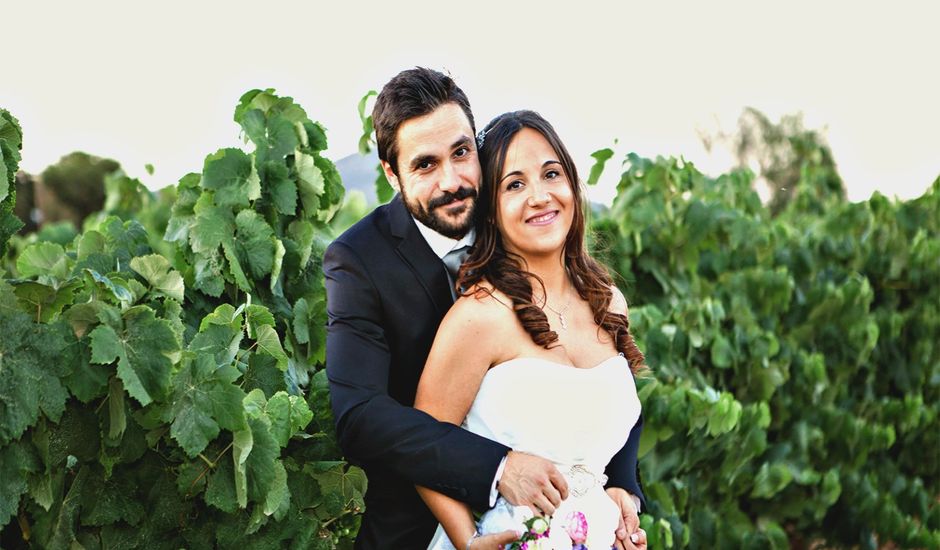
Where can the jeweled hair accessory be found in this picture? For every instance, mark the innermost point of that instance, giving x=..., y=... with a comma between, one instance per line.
x=481, y=136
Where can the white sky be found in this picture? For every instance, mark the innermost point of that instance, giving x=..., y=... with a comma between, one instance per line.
x=158, y=83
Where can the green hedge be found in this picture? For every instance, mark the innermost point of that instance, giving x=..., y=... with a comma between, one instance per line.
x=161, y=377
x=795, y=385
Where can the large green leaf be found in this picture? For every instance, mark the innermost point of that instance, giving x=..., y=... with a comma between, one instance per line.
x=33, y=365
x=156, y=270
x=143, y=351
x=205, y=400
x=232, y=175
x=273, y=135
x=43, y=259
x=280, y=187
x=212, y=226
x=254, y=241
x=16, y=463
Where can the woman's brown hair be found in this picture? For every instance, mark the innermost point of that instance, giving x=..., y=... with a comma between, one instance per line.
x=507, y=272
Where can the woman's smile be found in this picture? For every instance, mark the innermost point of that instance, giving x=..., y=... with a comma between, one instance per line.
x=535, y=200
x=543, y=218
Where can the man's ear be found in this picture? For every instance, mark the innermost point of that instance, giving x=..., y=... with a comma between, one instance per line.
x=390, y=176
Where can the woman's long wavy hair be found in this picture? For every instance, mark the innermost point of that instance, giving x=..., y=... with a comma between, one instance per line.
x=507, y=272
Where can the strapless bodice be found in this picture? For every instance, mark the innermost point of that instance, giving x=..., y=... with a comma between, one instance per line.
x=566, y=414
x=576, y=417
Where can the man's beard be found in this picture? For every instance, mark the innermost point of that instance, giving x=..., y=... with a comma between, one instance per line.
x=442, y=225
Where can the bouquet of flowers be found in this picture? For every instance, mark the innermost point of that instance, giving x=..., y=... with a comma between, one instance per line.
x=538, y=534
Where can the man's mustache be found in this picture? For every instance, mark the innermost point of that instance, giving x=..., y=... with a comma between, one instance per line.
x=449, y=197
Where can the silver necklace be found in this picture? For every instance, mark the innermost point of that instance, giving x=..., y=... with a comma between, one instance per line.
x=560, y=314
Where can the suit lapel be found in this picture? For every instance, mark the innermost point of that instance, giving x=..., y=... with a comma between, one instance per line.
x=417, y=255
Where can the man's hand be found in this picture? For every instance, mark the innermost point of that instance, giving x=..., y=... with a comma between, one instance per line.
x=629, y=534
x=496, y=541
x=528, y=480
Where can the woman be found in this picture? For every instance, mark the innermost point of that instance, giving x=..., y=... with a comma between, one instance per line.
x=536, y=353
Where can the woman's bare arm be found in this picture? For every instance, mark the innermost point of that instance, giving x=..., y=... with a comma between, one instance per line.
x=465, y=347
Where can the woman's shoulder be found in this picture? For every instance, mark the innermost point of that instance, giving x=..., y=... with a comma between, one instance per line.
x=618, y=304
x=485, y=304
x=478, y=319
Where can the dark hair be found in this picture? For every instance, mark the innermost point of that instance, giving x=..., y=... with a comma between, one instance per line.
x=507, y=272
x=409, y=94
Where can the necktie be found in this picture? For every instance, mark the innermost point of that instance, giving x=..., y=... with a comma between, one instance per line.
x=452, y=261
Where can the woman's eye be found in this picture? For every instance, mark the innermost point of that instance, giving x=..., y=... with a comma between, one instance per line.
x=516, y=184
x=552, y=174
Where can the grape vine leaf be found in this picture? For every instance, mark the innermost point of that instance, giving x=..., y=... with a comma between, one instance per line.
x=123, y=241
x=143, y=350
x=87, y=381
x=156, y=270
x=232, y=175
x=274, y=135
x=279, y=252
x=113, y=499
x=302, y=233
x=182, y=214
x=333, y=190
x=270, y=344
x=254, y=242
x=212, y=226
x=45, y=302
x=220, y=489
x=310, y=182
x=336, y=478
x=32, y=367
x=281, y=188
x=235, y=267
x=16, y=463
x=11, y=141
x=600, y=160
x=205, y=400
x=289, y=414
x=300, y=323
x=277, y=500
x=208, y=274
x=43, y=259
x=255, y=316
x=254, y=451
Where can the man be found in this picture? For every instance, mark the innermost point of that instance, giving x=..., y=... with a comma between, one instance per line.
x=387, y=291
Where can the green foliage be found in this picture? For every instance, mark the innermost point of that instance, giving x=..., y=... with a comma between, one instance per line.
x=160, y=392
x=794, y=361
x=600, y=157
x=383, y=189
x=76, y=186
x=11, y=141
x=162, y=380
x=787, y=155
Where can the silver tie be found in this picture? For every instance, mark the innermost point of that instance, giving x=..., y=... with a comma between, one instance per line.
x=452, y=261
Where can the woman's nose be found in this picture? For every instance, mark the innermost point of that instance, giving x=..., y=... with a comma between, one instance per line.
x=537, y=194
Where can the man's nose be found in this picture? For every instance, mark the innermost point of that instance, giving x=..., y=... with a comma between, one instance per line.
x=450, y=178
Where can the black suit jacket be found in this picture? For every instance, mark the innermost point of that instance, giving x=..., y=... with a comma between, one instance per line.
x=387, y=292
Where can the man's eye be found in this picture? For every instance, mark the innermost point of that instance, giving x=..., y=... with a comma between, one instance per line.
x=462, y=152
x=424, y=165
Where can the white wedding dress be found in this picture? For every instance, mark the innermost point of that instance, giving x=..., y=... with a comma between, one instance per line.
x=577, y=418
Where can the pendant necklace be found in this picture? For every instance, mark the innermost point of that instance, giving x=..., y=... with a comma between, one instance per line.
x=561, y=313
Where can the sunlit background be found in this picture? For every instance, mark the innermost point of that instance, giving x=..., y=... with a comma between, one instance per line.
x=157, y=84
